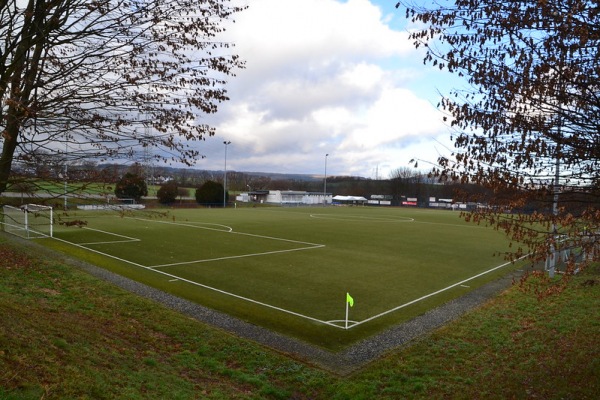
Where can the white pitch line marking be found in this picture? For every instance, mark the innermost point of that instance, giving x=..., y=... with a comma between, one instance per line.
x=128, y=239
x=101, y=253
x=109, y=242
x=233, y=257
x=233, y=232
x=436, y=292
x=178, y=278
x=367, y=218
x=342, y=321
x=230, y=230
x=329, y=323
x=248, y=299
x=227, y=228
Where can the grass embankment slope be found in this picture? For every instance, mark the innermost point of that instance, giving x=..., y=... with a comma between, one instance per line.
x=65, y=334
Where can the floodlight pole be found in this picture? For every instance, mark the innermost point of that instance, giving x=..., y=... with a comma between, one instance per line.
x=65, y=189
x=226, y=143
x=325, y=182
x=65, y=183
x=555, y=252
x=556, y=189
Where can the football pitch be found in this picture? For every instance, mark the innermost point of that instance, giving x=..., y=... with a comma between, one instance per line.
x=290, y=269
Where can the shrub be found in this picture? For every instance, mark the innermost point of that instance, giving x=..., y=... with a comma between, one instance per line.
x=210, y=193
x=131, y=186
x=168, y=192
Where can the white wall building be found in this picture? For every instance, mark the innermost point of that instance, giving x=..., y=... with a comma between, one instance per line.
x=286, y=197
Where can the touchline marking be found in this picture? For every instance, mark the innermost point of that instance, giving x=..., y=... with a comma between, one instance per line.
x=434, y=293
x=245, y=298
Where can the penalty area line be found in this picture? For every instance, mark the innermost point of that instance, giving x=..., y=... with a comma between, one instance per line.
x=189, y=225
x=175, y=278
x=127, y=238
x=234, y=257
x=228, y=230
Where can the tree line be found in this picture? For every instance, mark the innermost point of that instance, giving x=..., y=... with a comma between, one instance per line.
x=207, y=186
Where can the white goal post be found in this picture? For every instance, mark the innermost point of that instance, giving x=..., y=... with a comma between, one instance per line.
x=28, y=221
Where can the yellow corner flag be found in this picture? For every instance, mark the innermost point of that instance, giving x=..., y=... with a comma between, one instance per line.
x=349, y=299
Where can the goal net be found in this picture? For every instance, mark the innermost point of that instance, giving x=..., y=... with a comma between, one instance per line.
x=29, y=221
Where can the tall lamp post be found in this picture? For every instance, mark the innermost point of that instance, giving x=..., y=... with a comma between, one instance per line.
x=325, y=182
x=556, y=191
x=556, y=186
x=65, y=177
x=226, y=143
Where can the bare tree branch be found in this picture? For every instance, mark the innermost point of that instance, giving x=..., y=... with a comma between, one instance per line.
x=528, y=127
x=105, y=77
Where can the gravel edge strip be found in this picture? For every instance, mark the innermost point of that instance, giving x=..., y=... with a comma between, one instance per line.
x=343, y=363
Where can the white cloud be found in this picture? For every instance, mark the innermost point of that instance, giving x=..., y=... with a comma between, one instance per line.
x=323, y=76
x=394, y=116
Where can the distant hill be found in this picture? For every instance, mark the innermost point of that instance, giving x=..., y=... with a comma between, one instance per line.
x=279, y=176
x=174, y=171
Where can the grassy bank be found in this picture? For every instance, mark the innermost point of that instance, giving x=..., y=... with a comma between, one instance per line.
x=65, y=334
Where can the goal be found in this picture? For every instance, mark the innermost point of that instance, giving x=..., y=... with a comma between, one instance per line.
x=29, y=221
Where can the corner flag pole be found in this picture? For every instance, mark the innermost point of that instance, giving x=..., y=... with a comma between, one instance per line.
x=349, y=302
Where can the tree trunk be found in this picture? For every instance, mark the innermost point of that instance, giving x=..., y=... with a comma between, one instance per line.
x=8, y=150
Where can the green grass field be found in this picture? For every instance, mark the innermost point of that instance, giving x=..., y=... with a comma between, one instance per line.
x=289, y=269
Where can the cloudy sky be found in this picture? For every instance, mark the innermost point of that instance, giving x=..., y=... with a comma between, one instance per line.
x=327, y=77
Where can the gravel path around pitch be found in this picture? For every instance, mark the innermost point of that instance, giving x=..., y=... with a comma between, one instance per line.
x=342, y=363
